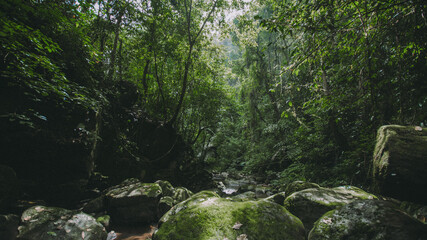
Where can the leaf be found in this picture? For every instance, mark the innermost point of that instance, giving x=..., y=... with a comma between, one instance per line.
x=237, y=225
x=290, y=104
x=52, y=233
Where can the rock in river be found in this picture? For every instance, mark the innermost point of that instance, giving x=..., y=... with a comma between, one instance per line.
x=310, y=204
x=400, y=163
x=366, y=220
x=49, y=223
x=207, y=216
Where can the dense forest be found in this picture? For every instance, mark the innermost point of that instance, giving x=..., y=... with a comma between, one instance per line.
x=96, y=92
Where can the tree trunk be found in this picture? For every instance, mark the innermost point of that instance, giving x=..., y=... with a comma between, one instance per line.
x=113, y=52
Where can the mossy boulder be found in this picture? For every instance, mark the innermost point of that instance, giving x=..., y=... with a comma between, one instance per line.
x=180, y=194
x=297, y=186
x=167, y=188
x=368, y=219
x=133, y=202
x=400, y=163
x=310, y=204
x=207, y=216
x=95, y=205
x=165, y=204
x=49, y=223
x=278, y=198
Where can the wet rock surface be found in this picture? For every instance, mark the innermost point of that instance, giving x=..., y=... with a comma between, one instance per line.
x=310, y=204
x=208, y=216
x=399, y=165
x=40, y=222
x=368, y=219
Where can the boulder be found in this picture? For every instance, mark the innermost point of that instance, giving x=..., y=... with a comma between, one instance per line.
x=246, y=196
x=167, y=188
x=310, y=204
x=165, y=204
x=95, y=205
x=400, y=163
x=49, y=223
x=368, y=219
x=180, y=194
x=207, y=216
x=278, y=198
x=297, y=186
x=133, y=202
x=9, y=226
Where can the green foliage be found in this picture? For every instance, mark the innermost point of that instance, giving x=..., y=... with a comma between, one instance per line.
x=319, y=79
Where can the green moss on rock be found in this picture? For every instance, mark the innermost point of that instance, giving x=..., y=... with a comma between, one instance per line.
x=167, y=188
x=399, y=164
x=368, y=219
x=207, y=216
x=297, y=186
x=133, y=202
x=310, y=204
x=49, y=223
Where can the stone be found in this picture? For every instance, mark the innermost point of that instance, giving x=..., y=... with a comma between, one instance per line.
x=133, y=202
x=310, y=204
x=400, y=163
x=165, y=204
x=246, y=196
x=104, y=220
x=167, y=188
x=207, y=216
x=278, y=198
x=95, y=205
x=297, y=186
x=368, y=219
x=49, y=223
x=9, y=226
x=181, y=194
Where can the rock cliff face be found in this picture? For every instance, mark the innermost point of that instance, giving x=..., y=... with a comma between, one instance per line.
x=400, y=163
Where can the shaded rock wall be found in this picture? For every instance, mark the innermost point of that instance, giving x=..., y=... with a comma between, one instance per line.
x=400, y=163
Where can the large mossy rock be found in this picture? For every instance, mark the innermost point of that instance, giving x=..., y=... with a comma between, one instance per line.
x=368, y=219
x=133, y=202
x=400, y=163
x=297, y=186
x=207, y=216
x=310, y=204
x=181, y=194
x=49, y=223
x=8, y=187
